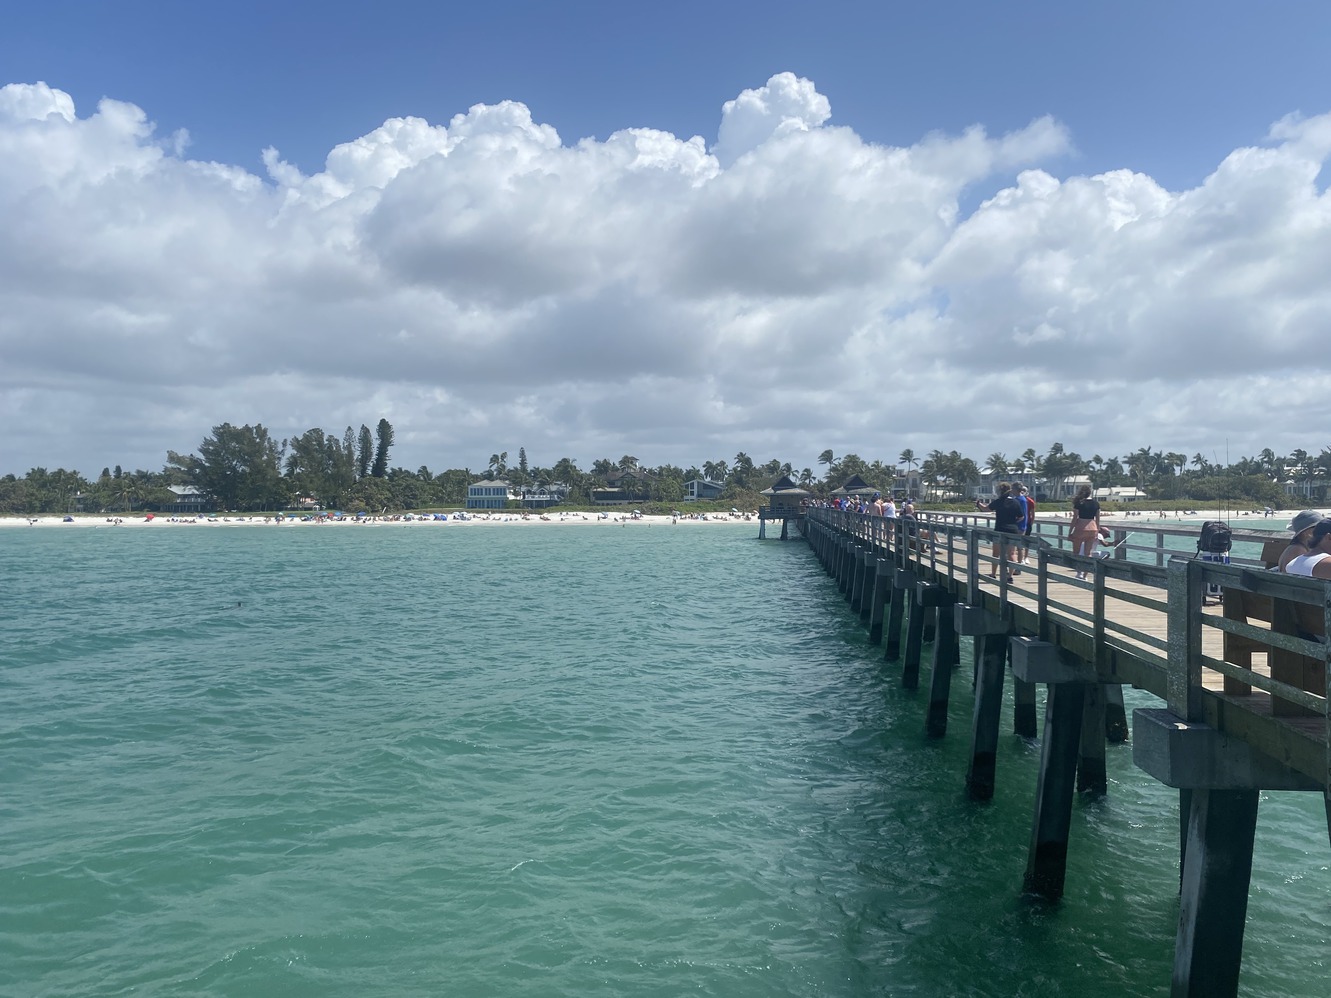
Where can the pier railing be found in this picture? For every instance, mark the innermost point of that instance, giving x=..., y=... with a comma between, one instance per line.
x=1232, y=645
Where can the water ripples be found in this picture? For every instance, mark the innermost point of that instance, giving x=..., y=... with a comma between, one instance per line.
x=592, y=761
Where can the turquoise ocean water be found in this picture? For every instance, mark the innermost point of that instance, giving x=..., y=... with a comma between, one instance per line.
x=557, y=761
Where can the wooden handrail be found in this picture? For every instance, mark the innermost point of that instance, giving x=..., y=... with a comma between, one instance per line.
x=1171, y=659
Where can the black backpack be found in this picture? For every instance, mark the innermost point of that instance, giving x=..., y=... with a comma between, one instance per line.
x=1214, y=538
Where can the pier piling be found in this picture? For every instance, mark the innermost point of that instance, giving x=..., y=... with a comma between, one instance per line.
x=903, y=585
x=1067, y=680
x=1024, y=721
x=1046, y=865
x=855, y=592
x=1091, y=773
x=882, y=590
x=1217, y=872
x=921, y=608
x=944, y=653
x=869, y=574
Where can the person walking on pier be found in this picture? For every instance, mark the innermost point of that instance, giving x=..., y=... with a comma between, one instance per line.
x=1009, y=512
x=1028, y=522
x=1086, y=527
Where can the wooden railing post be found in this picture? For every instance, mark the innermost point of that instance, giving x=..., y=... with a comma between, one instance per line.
x=1184, y=639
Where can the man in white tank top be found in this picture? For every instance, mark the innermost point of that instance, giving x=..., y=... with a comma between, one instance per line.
x=1316, y=563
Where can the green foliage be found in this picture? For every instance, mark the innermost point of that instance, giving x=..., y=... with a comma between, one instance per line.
x=238, y=467
x=384, y=433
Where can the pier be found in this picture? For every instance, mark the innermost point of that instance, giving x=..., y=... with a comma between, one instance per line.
x=1235, y=653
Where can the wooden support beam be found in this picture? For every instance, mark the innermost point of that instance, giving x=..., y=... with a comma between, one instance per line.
x=903, y=585
x=1025, y=721
x=1116, y=715
x=910, y=662
x=855, y=590
x=944, y=655
x=985, y=720
x=1208, y=950
x=882, y=590
x=869, y=572
x=1046, y=865
x=1091, y=773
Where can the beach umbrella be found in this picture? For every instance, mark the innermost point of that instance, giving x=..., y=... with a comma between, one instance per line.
x=733, y=509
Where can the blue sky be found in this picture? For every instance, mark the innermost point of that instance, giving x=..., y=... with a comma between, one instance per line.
x=1165, y=88
x=1166, y=92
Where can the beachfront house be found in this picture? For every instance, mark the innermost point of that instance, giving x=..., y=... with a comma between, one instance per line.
x=1305, y=485
x=906, y=482
x=623, y=486
x=489, y=494
x=543, y=496
x=1066, y=488
x=701, y=488
x=987, y=488
x=1120, y=493
x=188, y=501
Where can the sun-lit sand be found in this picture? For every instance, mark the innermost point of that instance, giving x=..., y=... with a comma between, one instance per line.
x=160, y=521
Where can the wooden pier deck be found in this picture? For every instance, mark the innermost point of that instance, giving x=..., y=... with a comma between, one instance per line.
x=1118, y=620
x=1237, y=654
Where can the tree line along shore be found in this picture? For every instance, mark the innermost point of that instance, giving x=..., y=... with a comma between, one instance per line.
x=245, y=468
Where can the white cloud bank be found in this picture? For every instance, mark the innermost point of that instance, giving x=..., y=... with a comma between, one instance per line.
x=485, y=286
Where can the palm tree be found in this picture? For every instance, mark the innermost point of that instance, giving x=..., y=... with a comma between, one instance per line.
x=827, y=457
x=998, y=466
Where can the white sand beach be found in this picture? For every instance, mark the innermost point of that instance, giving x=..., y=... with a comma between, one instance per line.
x=160, y=521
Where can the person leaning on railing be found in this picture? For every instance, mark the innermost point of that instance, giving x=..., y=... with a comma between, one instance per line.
x=1316, y=564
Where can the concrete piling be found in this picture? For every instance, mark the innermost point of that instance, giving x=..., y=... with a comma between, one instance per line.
x=903, y=585
x=1213, y=904
x=944, y=653
x=921, y=608
x=1047, y=861
x=882, y=590
x=1091, y=773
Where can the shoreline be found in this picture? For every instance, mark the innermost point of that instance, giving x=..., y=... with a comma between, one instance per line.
x=161, y=521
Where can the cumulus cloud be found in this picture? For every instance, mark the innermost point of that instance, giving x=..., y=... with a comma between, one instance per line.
x=789, y=287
